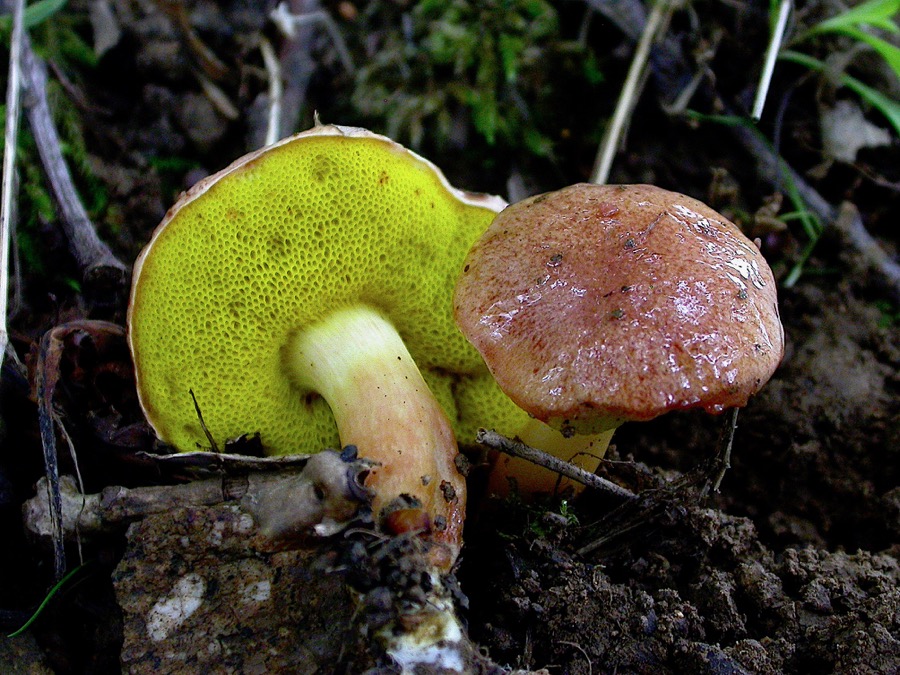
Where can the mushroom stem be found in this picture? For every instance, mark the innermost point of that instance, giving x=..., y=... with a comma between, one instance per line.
x=584, y=451
x=358, y=363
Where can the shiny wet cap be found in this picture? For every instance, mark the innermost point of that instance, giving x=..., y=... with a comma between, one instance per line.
x=598, y=304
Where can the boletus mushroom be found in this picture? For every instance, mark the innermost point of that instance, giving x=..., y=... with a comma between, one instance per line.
x=297, y=294
x=598, y=304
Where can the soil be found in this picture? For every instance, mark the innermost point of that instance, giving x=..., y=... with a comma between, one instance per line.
x=792, y=567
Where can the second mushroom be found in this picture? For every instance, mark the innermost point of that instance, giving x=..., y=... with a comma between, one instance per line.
x=598, y=304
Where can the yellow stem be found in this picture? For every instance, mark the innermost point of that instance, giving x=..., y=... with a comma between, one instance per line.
x=356, y=360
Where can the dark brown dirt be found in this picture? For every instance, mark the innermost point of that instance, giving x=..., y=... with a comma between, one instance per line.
x=792, y=569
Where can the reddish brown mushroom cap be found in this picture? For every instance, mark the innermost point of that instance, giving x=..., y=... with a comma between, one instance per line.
x=598, y=304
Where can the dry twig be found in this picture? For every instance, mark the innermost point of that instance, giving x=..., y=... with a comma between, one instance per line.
x=11, y=132
x=631, y=90
x=101, y=270
x=845, y=221
x=276, y=91
x=46, y=377
x=765, y=78
x=664, y=505
x=48, y=374
x=322, y=498
x=503, y=444
x=722, y=461
x=297, y=20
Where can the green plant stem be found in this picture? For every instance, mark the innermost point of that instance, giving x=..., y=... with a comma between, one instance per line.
x=35, y=13
x=886, y=106
x=52, y=593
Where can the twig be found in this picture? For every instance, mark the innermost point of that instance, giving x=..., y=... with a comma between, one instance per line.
x=664, y=506
x=507, y=446
x=213, y=446
x=219, y=99
x=47, y=376
x=765, y=78
x=73, y=454
x=583, y=653
x=211, y=65
x=630, y=91
x=288, y=22
x=322, y=498
x=276, y=91
x=849, y=226
x=846, y=222
x=11, y=132
x=100, y=268
x=297, y=21
x=723, y=459
x=45, y=380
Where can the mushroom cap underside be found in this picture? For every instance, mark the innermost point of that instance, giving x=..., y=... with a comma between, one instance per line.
x=329, y=218
x=598, y=304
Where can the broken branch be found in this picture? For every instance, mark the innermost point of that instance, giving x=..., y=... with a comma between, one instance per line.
x=99, y=267
x=323, y=498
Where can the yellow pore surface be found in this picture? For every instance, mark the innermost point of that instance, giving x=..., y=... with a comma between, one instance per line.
x=274, y=244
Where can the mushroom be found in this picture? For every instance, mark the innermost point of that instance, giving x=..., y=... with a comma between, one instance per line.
x=294, y=293
x=598, y=304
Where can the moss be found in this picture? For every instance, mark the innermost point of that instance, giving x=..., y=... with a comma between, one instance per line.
x=444, y=71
